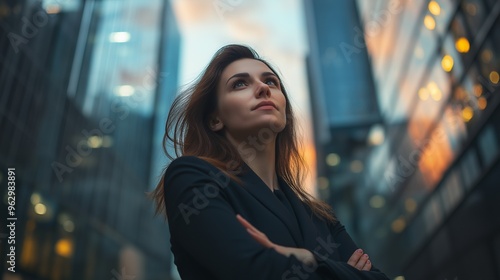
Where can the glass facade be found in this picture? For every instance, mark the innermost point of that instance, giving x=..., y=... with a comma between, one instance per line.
x=428, y=191
x=344, y=104
x=83, y=87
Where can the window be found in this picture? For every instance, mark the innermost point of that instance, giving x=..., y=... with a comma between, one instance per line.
x=474, y=12
x=422, y=53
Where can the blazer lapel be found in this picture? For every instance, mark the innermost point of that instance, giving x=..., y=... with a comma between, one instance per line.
x=306, y=225
x=257, y=188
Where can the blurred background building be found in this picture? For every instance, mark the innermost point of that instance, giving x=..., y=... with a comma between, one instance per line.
x=402, y=95
x=409, y=155
x=84, y=87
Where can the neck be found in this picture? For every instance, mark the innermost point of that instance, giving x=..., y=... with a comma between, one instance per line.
x=260, y=157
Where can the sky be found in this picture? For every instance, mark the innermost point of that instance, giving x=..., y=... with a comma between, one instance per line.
x=275, y=29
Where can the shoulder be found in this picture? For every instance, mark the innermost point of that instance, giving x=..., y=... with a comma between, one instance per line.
x=189, y=164
x=185, y=161
x=191, y=169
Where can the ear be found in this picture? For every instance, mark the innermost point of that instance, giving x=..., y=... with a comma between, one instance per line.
x=216, y=124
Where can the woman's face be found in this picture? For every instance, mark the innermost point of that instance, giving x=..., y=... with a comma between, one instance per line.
x=250, y=100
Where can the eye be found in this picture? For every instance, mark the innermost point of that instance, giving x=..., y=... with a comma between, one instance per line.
x=239, y=84
x=272, y=82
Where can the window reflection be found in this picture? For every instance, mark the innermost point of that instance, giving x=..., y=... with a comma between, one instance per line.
x=421, y=55
x=439, y=14
x=489, y=65
x=436, y=156
x=432, y=95
x=387, y=88
x=454, y=127
x=450, y=58
x=474, y=12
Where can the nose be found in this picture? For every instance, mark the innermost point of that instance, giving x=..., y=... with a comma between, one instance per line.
x=262, y=90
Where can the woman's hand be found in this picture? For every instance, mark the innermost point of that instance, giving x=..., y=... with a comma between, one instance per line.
x=303, y=255
x=359, y=260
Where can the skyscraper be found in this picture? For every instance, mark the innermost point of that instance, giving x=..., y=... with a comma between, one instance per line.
x=345, y=108
x=436, y=69
x=82, y=85
x=428, y=181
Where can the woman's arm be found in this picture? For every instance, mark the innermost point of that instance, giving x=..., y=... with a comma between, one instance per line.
x=204, y=225
x=356, y=266
x=347, y=268
x=303, y=255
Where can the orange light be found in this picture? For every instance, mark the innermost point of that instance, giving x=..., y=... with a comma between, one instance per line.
x=494, y=77
x=467, y=113
x=434, y=8
x=460, y=94
x=486, y=55
x=53, y=9
x=482, y=103
x=478, y=90
x=410, y=205
x=471, y=9
x=462, y=45
x=398, y=225
x=429, y=22
x=447, y=63
x=434, y=91
x=423, y=94
x=64, y=247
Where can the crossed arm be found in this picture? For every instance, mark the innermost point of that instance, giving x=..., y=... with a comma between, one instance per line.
x=357, y=260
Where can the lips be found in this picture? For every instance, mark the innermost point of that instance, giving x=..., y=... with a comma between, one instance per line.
x=265, y=103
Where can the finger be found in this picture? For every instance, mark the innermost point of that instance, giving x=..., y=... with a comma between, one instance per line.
x=361, y=262
x=261, y=238
x=255, y=233
x=250, y=228
x=245, y=223
x=353, y=260
x=367, y=266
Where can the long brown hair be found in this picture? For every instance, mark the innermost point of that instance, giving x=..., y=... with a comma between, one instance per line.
x=188, y=133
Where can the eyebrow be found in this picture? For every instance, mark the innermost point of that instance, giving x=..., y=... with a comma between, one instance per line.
x=246, y=75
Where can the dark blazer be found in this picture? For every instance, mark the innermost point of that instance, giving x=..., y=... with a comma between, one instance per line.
x=209, y=243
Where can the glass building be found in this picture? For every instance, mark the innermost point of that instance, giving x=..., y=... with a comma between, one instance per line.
x=425, y=195
x=344, y=103
x=83, y=87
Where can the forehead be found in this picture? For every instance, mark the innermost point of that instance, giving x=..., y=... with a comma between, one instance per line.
x=246, y=65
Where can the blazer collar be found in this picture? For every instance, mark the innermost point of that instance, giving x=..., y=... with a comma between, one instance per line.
x=300, y=226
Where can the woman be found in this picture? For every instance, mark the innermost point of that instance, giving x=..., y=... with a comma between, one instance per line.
x=234, y=199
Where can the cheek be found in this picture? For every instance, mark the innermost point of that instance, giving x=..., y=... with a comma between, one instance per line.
x=231, y=107
x=280, y=97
